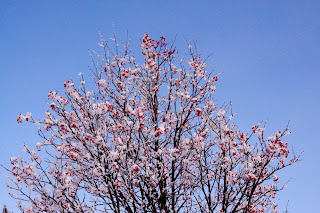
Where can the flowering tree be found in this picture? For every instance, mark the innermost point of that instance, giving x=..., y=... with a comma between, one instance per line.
x=147, y=138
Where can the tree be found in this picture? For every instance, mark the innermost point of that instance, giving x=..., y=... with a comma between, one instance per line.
x=147, y=138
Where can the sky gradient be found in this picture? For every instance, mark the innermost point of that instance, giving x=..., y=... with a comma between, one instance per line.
x=268, y=52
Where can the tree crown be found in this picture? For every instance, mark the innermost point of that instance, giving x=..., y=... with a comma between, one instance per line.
x=148, y=138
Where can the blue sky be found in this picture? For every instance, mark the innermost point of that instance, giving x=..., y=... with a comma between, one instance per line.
x=268, y=52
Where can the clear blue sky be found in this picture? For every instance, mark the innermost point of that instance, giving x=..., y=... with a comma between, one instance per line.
x=268, y=51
